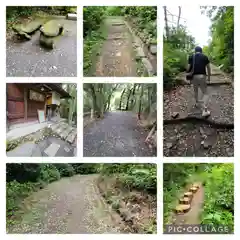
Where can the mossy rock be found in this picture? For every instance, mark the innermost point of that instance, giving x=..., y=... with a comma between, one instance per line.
x=24, y=30
x=52, y=28
x=182, y=208
x=29, y=28
x=185, y=200
x=46, y=42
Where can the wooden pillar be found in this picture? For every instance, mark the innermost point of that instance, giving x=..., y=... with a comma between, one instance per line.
x=25, y=103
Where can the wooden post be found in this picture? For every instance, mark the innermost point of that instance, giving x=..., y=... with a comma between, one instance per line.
x=25, y=103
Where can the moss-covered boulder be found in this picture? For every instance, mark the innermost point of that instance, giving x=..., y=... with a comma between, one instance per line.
x=52, y=28
x=24, y=30
x=46, y=42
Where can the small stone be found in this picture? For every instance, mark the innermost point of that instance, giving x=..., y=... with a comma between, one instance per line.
x=175, y=114
x=169, y=145
x=153, y=49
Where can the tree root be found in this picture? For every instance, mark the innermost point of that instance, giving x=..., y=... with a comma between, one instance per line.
x=195, y=119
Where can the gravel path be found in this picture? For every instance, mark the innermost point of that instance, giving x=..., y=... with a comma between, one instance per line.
x=116, y=135
x=29, y=59
x=117, y=56
x=190, y=139
x=71, y=205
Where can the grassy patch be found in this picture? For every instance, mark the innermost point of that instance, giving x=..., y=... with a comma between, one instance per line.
x=15, y=194
x=92, y=49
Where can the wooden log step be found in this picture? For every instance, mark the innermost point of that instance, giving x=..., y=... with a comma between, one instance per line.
x=188, y=194
x=182, y=208
x=193, y=189
x=185, y=200
x=196, y=185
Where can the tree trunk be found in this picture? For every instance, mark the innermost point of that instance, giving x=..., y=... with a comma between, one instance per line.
x=101, y=100
x=140, y=103
x=133, y=95
x=70, y=111
x=120, y=104
x=166, y=21
x=94, y=102
x=179, y=16
x=129, y=95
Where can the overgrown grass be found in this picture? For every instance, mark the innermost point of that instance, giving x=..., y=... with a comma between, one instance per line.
x=92, y=49
x=219, y=196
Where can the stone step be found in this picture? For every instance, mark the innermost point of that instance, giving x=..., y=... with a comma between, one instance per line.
x=55, y=126
x=52, y=149
x=66, y=132
x=71, y=137
x=61, y=128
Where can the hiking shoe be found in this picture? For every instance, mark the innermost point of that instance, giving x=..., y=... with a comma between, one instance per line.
x=197, y=105
x=206, y=113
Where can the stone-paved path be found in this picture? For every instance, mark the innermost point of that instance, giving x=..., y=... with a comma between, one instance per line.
x=117, y=135
x=71, y=205
x=29, y=59
x=117, y=56
x=61, y=143
x=195, y=139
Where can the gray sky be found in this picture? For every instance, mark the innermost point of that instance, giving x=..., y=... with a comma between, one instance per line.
x=197, y=24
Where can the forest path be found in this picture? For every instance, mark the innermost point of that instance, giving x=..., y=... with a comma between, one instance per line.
x=29, y=59
x=116, y=135
x=70, y=205
x=186, y=138
x=117, y=56
x=193, y=215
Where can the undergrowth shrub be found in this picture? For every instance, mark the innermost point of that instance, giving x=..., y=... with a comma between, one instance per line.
x=65, y=169
x=219, y=196
x=49, y=173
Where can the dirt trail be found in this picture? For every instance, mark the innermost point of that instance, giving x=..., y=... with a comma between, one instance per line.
x=29, y=59
x=71, y=205
x=117, y=56
x=116, y=135
x=197, y=139
x=193, y=216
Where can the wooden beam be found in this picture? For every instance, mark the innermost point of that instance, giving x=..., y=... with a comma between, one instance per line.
x=25, y=103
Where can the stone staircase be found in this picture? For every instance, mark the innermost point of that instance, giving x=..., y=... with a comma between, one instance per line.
x=64, y=131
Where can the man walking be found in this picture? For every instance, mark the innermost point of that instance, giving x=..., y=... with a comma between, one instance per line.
x=197, y=64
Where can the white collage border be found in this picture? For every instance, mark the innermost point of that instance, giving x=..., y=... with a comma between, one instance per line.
x=160, y=159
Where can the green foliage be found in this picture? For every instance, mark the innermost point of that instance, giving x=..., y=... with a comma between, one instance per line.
x=65, y=169
x=85, y=168
x=91, y=49
x=49, y=173
x=15, y=192
x=23, y=172
x=92, y=18
x=13, y=12
x=133, y=176
x=219, y=195
x=222, y=31
x=218, y=183
x=176, y=49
